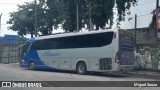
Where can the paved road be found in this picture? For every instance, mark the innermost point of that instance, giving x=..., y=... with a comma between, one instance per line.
x=12, y=72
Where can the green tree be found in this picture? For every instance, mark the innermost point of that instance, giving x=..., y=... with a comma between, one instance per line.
x=51, y=13
x=70, y=22
x=21, y=40
x=102, y=12
x=64, y=12
x=23, y=20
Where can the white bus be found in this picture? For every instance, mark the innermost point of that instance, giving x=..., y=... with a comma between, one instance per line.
x=95, y=51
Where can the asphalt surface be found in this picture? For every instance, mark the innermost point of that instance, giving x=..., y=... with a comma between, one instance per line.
x=12, y=72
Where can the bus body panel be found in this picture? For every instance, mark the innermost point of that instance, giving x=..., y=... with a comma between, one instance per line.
x=34, y=57
x=94, y=57
x=62, y=59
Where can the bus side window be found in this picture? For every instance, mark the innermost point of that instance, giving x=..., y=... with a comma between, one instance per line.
x=102, y=39
x=37, y=45
x=85, y=41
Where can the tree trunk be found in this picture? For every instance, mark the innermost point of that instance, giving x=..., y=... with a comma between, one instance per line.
x=97, y=27
x=31, y=34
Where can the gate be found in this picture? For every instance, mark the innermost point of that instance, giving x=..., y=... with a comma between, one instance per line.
x=9, y=53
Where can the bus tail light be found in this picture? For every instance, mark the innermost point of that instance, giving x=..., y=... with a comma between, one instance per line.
x=117, y=58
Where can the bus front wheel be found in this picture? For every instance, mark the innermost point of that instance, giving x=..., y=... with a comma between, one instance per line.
x=81, y=68
x=31, y=65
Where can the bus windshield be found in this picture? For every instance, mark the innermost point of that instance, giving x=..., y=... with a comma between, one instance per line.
x=24, y=49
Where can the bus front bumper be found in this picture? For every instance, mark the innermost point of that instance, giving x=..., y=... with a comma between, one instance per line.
x=124, y=68
x=23, y=64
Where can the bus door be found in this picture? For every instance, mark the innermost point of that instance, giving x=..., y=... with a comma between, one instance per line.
x=126, y=48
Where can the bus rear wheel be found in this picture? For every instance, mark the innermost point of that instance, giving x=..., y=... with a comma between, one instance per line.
x=81, y=68
x=31, y=66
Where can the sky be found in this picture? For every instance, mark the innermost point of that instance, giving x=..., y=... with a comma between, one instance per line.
x=144, y=16
x=143, y=11
x=6, y=7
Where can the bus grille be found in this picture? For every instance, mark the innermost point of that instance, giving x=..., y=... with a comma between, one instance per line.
x=105, y=63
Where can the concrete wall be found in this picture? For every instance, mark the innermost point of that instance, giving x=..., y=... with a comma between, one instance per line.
x=149, y=45
x=146, y=36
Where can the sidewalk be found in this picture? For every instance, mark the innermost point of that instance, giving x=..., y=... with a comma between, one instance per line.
x=145, y=74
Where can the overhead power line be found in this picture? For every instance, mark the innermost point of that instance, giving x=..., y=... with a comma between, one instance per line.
x=139, y=16
x=144, y=15
x=146, y=3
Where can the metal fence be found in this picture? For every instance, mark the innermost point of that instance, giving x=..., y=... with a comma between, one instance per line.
x=9, y=53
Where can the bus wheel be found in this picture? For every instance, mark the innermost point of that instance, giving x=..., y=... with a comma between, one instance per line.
x=31, y=65
x=81, y=68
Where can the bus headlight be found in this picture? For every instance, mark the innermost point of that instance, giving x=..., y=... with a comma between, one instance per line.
x=22, y=60
x=117, y=61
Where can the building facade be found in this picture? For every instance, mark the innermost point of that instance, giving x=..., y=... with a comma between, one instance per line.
x=9, y=49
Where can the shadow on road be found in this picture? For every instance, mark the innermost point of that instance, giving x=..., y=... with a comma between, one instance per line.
x=113, y=75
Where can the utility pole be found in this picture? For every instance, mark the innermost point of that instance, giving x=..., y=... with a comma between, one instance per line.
x=135, y=28
x=157, y=5
x=35, y=18
x=110, y=26
x=0, y=22
x=77, y=16
x=90, y=19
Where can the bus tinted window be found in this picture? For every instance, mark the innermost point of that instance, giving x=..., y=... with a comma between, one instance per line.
x=37, y=45
x=85, y=41
x=60, y=43
x=80, y=41
x=50, y=44
x=25, y=49
x=70, y=42
x=102, y=39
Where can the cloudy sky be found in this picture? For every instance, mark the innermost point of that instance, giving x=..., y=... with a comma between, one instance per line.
x=143, y=10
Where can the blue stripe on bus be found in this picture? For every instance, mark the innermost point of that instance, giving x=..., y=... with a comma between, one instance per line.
x=33, y=56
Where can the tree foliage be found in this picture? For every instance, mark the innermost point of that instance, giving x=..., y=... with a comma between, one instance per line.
x=21, y=40
x=51, y=13
x=23, y=20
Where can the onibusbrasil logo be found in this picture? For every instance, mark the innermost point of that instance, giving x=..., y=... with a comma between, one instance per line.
x=21, y=84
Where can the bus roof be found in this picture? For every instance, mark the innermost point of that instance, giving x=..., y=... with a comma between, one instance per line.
x=74, y=34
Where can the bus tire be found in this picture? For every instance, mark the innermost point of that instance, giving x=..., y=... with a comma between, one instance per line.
x=31, y=65
x=81, y=68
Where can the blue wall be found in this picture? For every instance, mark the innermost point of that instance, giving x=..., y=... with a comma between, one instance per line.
x=9, y=39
